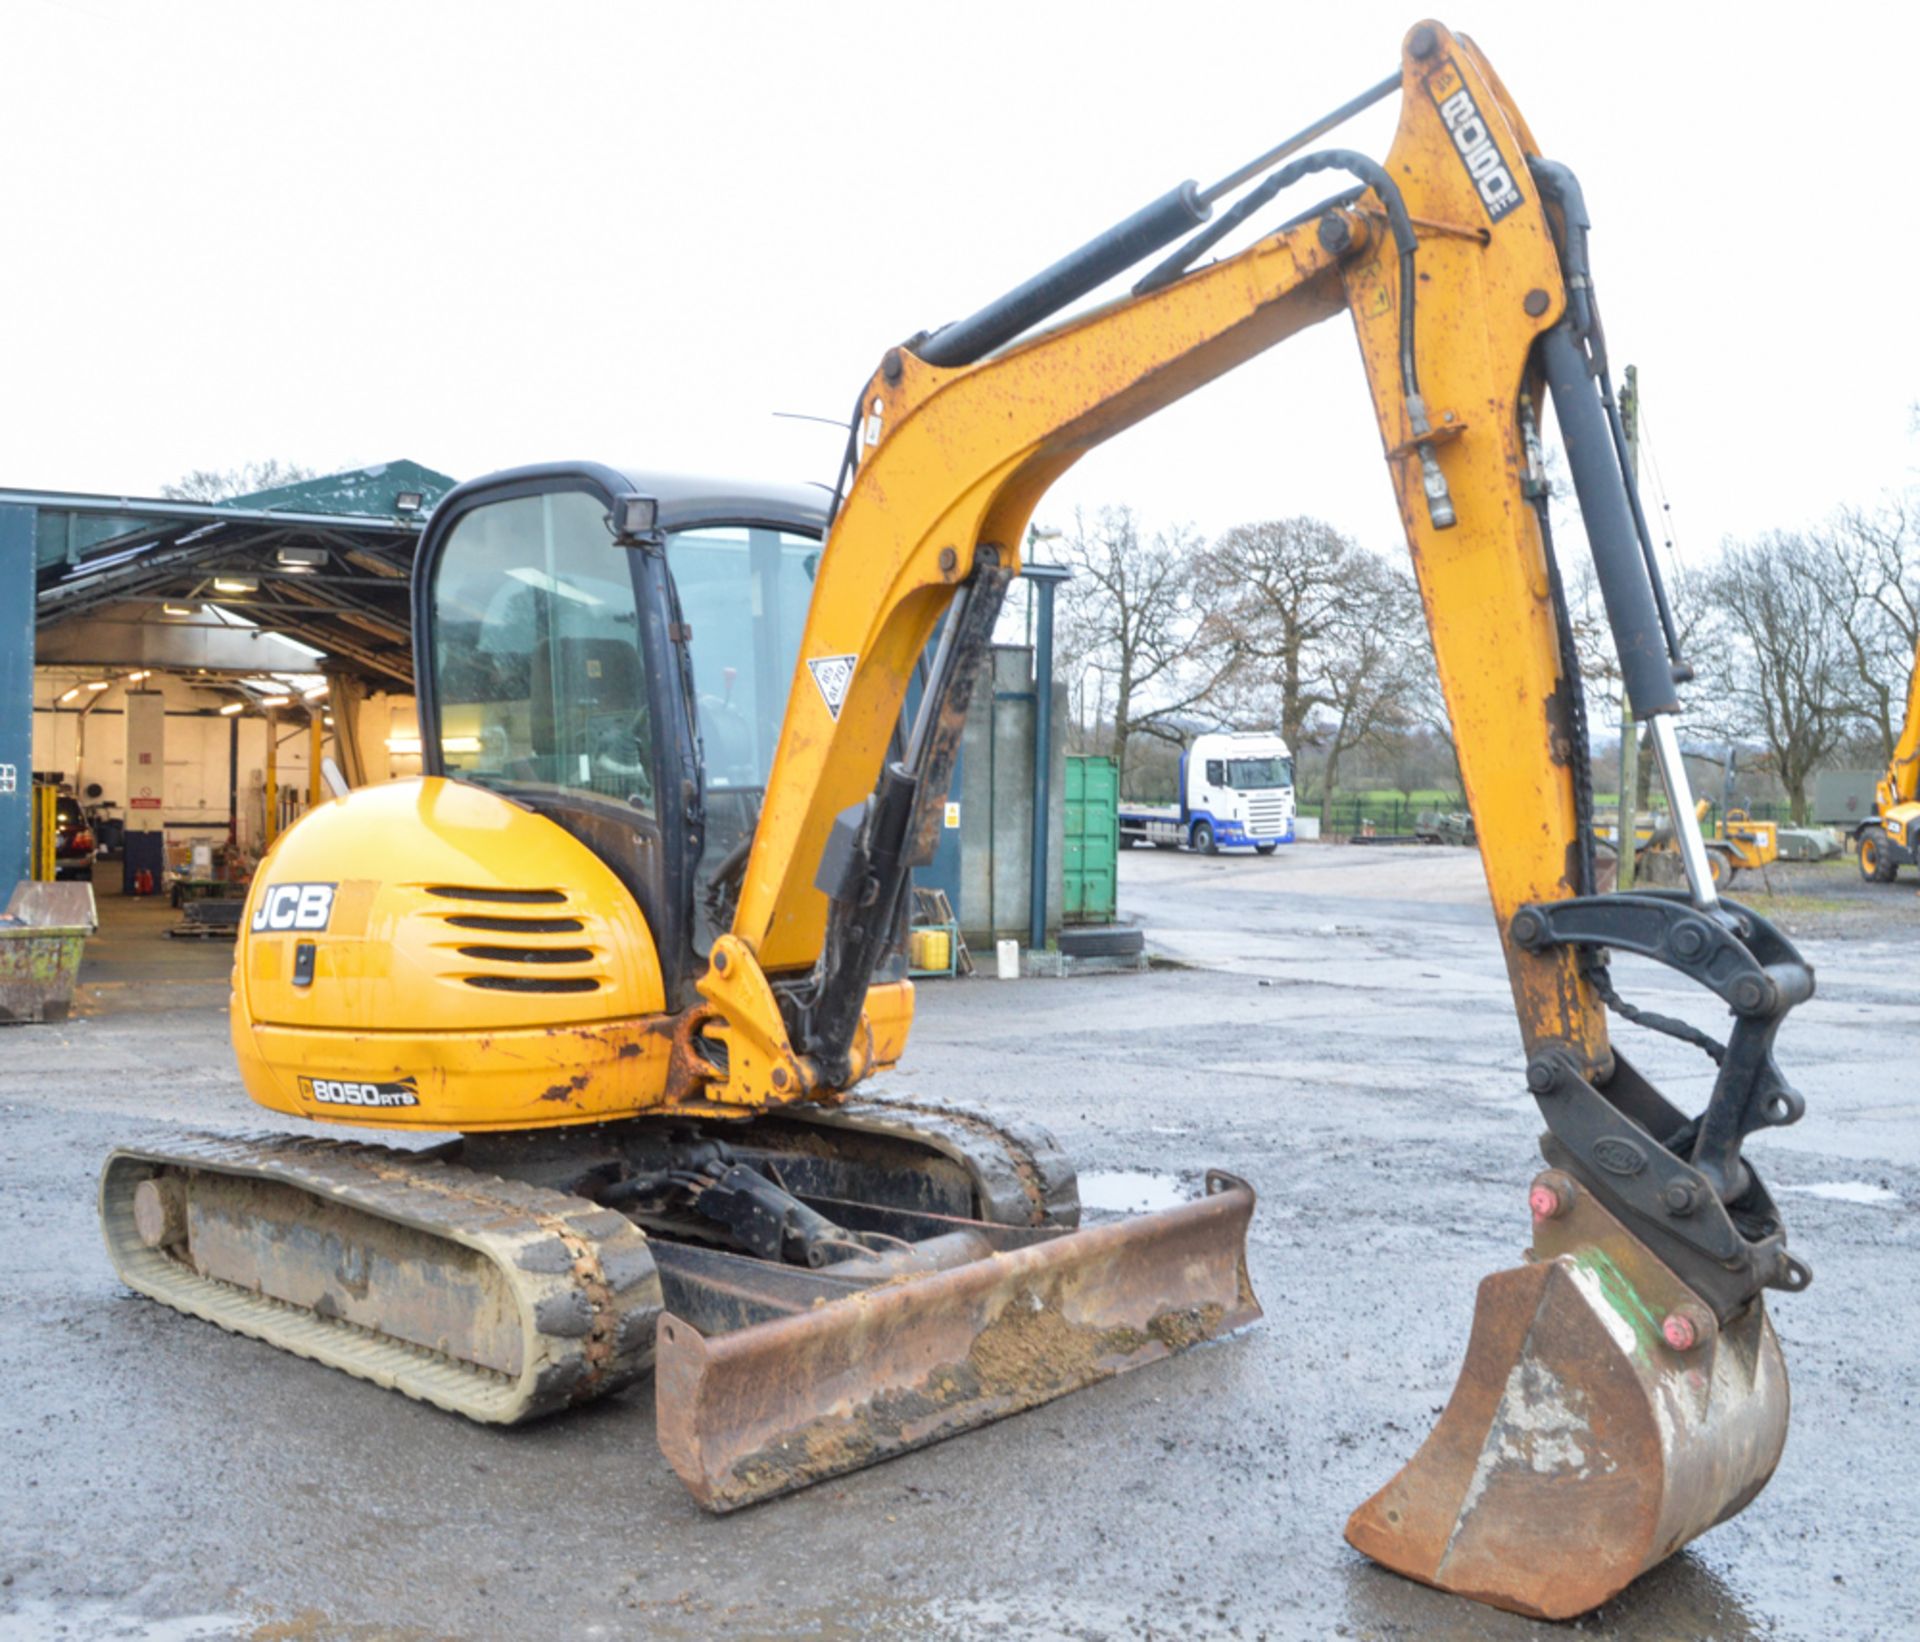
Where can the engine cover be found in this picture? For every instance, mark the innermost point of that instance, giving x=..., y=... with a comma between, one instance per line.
x=428, y=954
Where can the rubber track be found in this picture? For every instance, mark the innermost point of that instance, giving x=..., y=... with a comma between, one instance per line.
x=1022, y=1176
x=582, y=1276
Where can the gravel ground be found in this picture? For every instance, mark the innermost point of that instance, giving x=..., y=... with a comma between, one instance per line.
x=1331, y=1023
x=1830, y=898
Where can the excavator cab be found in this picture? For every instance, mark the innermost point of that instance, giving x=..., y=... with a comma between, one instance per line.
x=613, y=652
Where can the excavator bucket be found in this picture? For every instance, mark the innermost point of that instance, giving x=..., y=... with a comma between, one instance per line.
x=1603, y=1418
x=766, y=1409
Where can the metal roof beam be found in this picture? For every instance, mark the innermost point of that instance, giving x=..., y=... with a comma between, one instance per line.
x=142, y=507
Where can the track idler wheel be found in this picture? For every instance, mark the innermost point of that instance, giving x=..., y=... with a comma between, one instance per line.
x=1603, y=1418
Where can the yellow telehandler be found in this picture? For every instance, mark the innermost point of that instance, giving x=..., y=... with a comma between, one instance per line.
x=1889, y=839
x=632, y=938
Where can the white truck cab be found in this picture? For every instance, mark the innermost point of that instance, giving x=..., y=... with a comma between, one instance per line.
x=1236, y=791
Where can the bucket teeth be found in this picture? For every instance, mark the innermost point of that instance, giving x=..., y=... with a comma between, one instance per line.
x=1581, y=1444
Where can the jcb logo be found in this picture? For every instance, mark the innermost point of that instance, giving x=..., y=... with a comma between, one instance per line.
x=1474, y=140
x=293, y=906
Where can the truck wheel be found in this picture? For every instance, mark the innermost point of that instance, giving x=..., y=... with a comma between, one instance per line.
x=1877, y=865
x=1203, y=843
x=1265, y=849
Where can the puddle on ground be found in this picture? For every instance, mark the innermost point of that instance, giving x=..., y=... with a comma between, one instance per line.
x=79, y=1617
x=1847, y=1191
x=1130, y=1191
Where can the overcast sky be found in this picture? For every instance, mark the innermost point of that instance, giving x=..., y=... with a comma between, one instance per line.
x=479, y=235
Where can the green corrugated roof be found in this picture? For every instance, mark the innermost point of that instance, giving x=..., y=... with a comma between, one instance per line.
x=358, y=490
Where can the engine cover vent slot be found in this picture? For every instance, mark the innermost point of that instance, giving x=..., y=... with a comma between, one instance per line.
x=492, y=924
x=533, y=983
x=529, y=954
x=457, y=892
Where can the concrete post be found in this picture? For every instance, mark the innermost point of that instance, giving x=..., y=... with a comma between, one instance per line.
x=146, y=767
x=271, y=829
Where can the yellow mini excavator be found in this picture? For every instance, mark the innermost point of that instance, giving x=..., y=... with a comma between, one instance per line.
x=1889, y=839
x=632, y=938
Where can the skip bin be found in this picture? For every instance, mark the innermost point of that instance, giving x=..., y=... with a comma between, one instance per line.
x=41, y=934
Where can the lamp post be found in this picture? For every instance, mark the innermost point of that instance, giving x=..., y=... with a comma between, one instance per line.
x=1045, y=578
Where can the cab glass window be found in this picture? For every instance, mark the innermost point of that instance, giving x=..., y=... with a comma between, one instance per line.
x=537, y=664
x=1257, y=774
x=744, y=593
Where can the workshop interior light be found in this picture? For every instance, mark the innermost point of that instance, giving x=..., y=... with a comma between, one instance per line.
x=276, y=701
x=176, y=610
x=100, y=684
x=71, y=694
x=135, y=678
x=315, y=692
x=233, y=707
x=403, y=744
x=409, y=501
x=459, y=744
x=235, y=584
x=300, y=559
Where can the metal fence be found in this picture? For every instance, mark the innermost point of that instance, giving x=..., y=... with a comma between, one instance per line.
x=1354, y=815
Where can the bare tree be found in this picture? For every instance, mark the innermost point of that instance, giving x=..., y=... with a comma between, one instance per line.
x=1379, y=666
x=221, y=485
x=1135, y=628
x=1282, y=592
x=1330, y=641
x=1787, y=671
x=1873, y=574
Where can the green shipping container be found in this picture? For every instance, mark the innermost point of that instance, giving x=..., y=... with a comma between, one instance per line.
x=1092, y=840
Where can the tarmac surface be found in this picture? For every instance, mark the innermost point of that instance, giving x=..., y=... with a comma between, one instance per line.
x=1332, y=1023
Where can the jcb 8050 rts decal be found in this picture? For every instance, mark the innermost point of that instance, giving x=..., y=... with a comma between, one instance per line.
x=351, y=1092
x=1473, y=141
x=293, y=906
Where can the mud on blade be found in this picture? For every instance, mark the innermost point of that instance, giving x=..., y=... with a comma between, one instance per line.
x=774, y=1407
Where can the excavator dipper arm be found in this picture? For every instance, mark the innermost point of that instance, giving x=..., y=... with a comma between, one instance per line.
x=1623, y=1391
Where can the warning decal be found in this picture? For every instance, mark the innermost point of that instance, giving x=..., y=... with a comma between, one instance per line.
x=833, y=674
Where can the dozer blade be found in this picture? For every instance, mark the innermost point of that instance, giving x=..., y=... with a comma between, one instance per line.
x=1603, y=1418
x=774, y=1407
